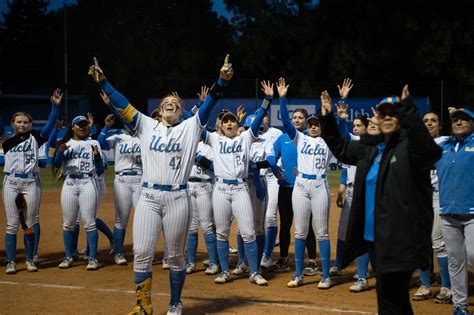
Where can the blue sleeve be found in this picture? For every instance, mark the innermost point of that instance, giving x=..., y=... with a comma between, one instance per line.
x=103, y=138
x=343, y=178
x=123, y=107
x=53, y=116
x=43, y=162
x=259, y=114
x=205, y=110
x=285, y=117
x=204, y=135
x=53, y=139
x=343, y=129
x=58, y=159
x=187, y=114
x=99, y=167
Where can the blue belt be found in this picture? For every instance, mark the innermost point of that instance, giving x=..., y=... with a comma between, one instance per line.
x=165, y=187
x=79, y=176
x=231, y=181
x=22, y=175
x=198, y=180
x=312, y=176
x=132, y=173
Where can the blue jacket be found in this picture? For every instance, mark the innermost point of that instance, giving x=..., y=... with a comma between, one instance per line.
x=455, y=174
x=285, y=149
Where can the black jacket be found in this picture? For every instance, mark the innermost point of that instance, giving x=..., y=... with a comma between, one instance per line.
x=403, y=197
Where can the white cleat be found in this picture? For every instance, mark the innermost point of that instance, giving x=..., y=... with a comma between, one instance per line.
x=120, y=260
x=66, y=263
x=295, y=281
x=213, y=269
x=258, y=279
x=190, y=268
x=176, y=309
x=223, y=277
x=30, y=266
x=165, y=265
x=359, y=285
x=266, y=262
x=325, y=283
x=233, y=250
x=92, y=265
x=11, y=268
x=240, y=269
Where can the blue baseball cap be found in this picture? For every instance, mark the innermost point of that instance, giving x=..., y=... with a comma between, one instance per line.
x=78, y=119
x=249, y=120
x=312, y=117
x=461, y=112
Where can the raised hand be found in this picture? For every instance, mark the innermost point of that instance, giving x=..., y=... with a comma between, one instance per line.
x=342, y=111
x=90, y=118
x=405, y=92
x=105, y=98
x=326, y=106
x=282, y=88
x=346, y=88
x=109, y=120
x=62, y=147
x=202, y=96
x=57, y=97
x=375, y=119
x=95, y=150
x=241, y=113
x=175, y=94
x=96, y=72
x=267, y=88
x=227, y=71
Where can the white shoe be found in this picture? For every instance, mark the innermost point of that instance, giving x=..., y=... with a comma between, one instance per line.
x=356, y=275
x=176, y=309
x=359, y=285
x=233, y=250
x=82, y=251
x=66, y=263
x=30, y=266
x=11, y=268
x=36, y=259
x=120, y=260
x=190, y=268
x=92, y=265
x=213, y=269
x=257, y=279
x=240, y=269
x=295, y=281
x=335, y=271
x=222, y=278
x=165, y=265
x=325, y=283
x=206, y=263
x=266, y=262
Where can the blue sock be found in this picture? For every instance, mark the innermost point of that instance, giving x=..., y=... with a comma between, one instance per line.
x=362, y=263
x=210, y=240
x=92, y=241
x=260, y=246
x=119, y=239
x=29, y=241
x=104, y=228
x=270, y=239
x=176, y=285
x=299, y=255
x=192, y=247
x=444, y=272
x=223, y=252
x=75, y=238
x=37, y=231
x=425, y=277
x=10, y=244
x=251, y=251
x=68, y=240
x=141, y=276
x=325, y=253
x=341, y=246
x=240, y=248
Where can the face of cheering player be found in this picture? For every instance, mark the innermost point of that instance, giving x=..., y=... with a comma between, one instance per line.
x=81, y=130
x=373, y=129
x=359, y=128
x=230, y=127
x=22, y=124
x=299, y=120
x=170, y=110
x=313, y=128
x=461, y=125
x=431, y=121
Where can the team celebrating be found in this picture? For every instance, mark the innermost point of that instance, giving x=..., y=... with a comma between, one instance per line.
x=405, y=191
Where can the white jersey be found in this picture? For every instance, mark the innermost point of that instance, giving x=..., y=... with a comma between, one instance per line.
x=23, y=157
x=313, y=154
x=168, y=152
x=351, y=169
x=127, y=153
x=79, y=157
x=198, y=172
x=231, y=160
x=269, y=137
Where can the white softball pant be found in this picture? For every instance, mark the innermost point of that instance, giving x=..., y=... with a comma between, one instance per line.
x=344, y=217
x=126, y=194
x=228, y=200
x=437, y=232
x=272, y=200
x=79, y=198
x=311, y=197
x=258, y=207
x=157, y=210
x=31, y=189
x=201, y=205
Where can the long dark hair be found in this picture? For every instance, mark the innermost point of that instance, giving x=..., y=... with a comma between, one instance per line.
x=57, y=172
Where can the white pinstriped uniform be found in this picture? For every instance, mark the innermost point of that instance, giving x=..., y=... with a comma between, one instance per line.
x=128, y=174
x=167, y=156
x=79, y=195
x=201, y=194
x=21, y=159
x=231, y=162
x=311, y=196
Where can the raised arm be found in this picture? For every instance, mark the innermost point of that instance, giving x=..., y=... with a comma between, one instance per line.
x=56, y=99
x=109, y=121
x=267, y=89
x=285, y=116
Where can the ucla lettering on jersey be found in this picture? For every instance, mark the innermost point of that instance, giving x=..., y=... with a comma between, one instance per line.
x=79, y=158
x=126, y=148
x=170, y=146
x=225, y=148
x=23, y=158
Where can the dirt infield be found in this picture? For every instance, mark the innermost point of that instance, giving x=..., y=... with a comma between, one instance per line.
x=110, y=290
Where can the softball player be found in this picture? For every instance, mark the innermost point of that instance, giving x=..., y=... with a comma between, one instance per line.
x=21, y=184
x=81, y=162
x=168, y=152
x=311, y=192
x=231, y=193
x=128, y=174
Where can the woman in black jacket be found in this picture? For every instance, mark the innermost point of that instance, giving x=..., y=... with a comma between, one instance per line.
x=391, y=215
